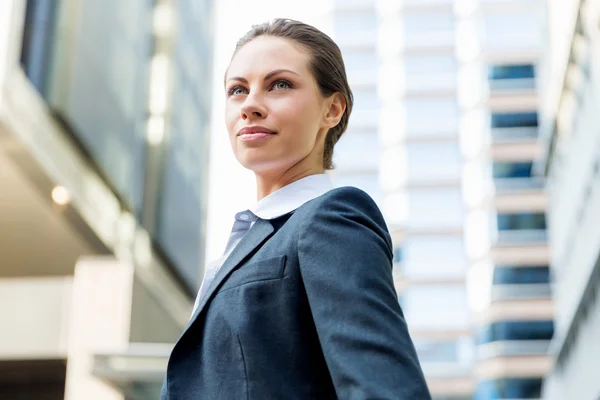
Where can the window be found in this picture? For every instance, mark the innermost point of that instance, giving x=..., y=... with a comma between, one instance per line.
x=428, y=64
x=416, y=24
x=38, y=41
x=398, y=254
x=433, y=162
x=430, y=72
x=498, y=72
x=507, y=275
x=521, y=221
x=434, y=257
x=431, y=117
x=181, y=209
x=514, y=120
x=509, y=388
x=511, y=169
x=516, y=330
x=435, y=208
x=437, y=351
x=524, y=32
x=422, y=305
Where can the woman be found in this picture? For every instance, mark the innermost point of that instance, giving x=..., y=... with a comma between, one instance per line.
x=303, y=306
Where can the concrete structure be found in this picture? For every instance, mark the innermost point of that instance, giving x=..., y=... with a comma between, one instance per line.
x=505, y=228
x=570, y=136
x=101, y=217
x=420, y=172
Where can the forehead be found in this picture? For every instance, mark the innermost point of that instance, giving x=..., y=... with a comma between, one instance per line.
x=267, y=53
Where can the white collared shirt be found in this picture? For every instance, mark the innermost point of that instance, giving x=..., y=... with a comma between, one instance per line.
x=278, y=203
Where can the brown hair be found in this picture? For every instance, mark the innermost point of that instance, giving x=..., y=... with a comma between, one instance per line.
x=327, y=67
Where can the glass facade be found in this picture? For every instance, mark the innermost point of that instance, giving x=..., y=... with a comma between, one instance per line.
x=516, y=330
x=431, y=117
x=509, y=388
x=502, y=170
x=96, y=80
x=182, y=202
x=433, y=162
x=447, y=261
x=514, y=120
x=435, y=208
x=422, y=305
x=507, y=275
x=521, y=221
x=94, y=73
x=500, y=72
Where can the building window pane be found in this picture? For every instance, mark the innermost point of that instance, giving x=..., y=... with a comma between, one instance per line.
x=431, y=117
x=516, y=330
x=509, y=388
x=521, y=221
x=433, y=162
x=434, y=257
x=506, y=275
x=498, y=72
x=514, y=120
x=422, y=305
x=181, y=214
x=512, y=169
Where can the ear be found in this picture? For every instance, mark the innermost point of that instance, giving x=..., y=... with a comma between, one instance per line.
x=336, y=106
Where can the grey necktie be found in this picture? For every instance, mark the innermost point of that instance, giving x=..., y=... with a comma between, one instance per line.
x=241, y=225
x=243, y=222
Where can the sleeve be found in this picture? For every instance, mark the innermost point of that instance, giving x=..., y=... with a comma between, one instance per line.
x=345, y=256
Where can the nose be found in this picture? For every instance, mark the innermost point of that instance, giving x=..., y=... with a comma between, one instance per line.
x=253, y=108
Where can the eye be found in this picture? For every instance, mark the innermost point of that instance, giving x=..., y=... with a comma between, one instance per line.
x=236, y=90
x=281, y=84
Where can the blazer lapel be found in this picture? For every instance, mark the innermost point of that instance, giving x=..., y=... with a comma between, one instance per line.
x=259, y=232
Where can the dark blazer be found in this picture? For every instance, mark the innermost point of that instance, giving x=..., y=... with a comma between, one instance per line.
x=303, y=308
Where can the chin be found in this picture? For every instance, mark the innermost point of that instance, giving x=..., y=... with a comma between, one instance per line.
x=261, y=166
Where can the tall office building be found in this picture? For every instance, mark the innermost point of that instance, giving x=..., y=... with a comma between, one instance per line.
x=421, y=181
x=104, y=115
x=505, y=229
x=570, y=134
x=356, y=157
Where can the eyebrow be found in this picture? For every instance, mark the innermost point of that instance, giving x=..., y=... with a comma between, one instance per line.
x=267, y=77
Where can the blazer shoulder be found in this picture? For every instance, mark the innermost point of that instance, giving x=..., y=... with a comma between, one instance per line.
x=346, y=201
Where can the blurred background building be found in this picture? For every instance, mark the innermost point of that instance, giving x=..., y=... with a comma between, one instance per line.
x=104, y=129
x=505, y=229
x=421, y=181
x=356, y=159
x=570, y=134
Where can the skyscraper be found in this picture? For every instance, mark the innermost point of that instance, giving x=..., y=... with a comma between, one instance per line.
x=570, y=135
x=505, y=228
x=356, y=157
x=421, y=181
x=104, y=115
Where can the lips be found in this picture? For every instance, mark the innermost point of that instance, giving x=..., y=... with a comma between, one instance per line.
x=255, y=133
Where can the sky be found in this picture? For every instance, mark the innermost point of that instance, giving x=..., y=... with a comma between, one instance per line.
x=231, y=187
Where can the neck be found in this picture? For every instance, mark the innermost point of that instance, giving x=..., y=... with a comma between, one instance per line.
x=267, y=183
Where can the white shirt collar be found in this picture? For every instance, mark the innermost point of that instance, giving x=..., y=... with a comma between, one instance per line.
x=292, y=196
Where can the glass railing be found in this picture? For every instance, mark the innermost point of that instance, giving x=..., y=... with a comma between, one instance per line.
x=516, y=330
x=519, y=184
x=521, y=236
x=510, y=348
x=517, y=133
x=521, y=291
x=507, y=85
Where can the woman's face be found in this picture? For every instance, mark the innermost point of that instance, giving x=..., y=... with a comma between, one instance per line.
x=276, y=117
